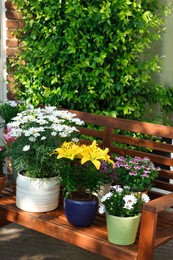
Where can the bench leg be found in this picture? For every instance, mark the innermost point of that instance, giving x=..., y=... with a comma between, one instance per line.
x=147, y=235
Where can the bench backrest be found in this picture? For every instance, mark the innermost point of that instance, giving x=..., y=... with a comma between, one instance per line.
x=129, y=137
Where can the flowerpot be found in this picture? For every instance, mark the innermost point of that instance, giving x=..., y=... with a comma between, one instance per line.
x=2, y=181
x=122, y=230
x=140, y=193
x=37, y=195
x=80, y=213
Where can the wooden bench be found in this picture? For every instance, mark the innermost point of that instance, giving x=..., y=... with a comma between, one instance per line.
x=122, y=137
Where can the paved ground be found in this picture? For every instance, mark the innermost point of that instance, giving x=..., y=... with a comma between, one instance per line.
x=18, y=243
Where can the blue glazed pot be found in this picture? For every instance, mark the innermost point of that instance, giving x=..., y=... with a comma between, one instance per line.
x=80, y=213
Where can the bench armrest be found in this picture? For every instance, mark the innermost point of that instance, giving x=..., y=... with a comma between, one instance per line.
x=159, y=204
x=149, y=219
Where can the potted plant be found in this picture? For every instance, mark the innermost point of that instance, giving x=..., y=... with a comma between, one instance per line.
x=82, y=175
x=36, y=133
x=122, y=214
x=8, y=110
x=2, y=162
x=137, y=173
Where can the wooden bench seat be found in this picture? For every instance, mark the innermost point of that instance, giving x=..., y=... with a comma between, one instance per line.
x=122, y=137
x=94, y=238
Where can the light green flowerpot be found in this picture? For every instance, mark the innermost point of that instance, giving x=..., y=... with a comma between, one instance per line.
x=122, y=230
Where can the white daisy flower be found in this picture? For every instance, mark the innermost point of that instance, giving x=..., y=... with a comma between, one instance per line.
x=130, y=199
x=117, y=188
x=75, y=140
x=12, y=103
x=102, y=209
x=54, y=133
x=26, y=148
x=145, y=197
x=32, y=139
x=106, y=196
x=128, y=206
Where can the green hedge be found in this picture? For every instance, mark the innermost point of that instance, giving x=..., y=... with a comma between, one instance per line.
x=89, y=55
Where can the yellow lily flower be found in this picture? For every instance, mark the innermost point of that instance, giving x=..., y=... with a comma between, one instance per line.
x=108, y=160
x=68, y=150
x=84, y=152
x=94, y=154
x=91, y=175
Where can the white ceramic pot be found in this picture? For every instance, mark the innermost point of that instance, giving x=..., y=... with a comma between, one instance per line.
x=37, y=195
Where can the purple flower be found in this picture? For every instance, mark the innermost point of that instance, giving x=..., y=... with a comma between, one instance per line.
x=133, y=173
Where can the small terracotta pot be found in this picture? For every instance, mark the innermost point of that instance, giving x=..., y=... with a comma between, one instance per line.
x=2, y=181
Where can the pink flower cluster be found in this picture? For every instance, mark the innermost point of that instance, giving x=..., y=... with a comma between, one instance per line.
x=7, y=136
x=133, y=165
x=135, y=172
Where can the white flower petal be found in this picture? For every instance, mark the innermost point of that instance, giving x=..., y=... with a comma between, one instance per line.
x=145, y=197
x=101, y=209
x=26, y=148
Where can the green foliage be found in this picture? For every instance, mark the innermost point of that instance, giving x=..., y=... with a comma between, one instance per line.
x=37, y=160
x=88, y=55
x=9, y=109
x=79, y=179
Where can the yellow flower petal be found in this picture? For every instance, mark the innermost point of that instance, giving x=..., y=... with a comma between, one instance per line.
x=97, y=164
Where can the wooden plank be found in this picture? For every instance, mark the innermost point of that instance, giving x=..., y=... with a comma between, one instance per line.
x=154, y=158
x=91, y=132
x=79, y=238
x=163, y=236
x=125, y=124
x=166, y=173
x=163, y=185
x=143, y=143
x=167, y=214
x=107, y=137
x=159, y=204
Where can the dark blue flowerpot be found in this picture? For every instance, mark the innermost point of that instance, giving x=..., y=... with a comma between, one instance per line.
x=80, y=213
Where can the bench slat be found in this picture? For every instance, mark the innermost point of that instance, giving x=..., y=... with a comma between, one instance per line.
x=125, y=124
x=55, y=224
